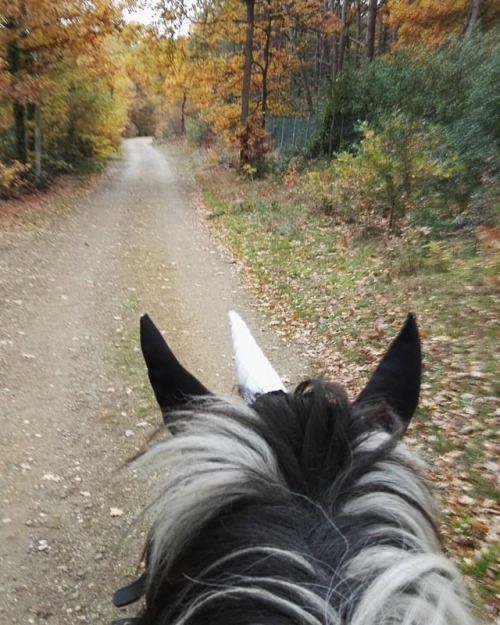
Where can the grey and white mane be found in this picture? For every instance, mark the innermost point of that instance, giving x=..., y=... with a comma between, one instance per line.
x=292, y=508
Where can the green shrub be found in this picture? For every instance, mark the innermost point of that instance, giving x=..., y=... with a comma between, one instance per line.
x=394, y=172
x=197, y=131
x=319, y=188
x=451, y=88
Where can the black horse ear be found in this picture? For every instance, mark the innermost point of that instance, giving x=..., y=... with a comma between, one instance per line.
x=172, y=383
x=397, y=377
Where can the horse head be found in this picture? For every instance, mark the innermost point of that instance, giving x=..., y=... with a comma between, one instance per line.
x=298, y=507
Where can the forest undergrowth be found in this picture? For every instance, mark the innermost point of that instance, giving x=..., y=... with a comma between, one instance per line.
x=341, y=292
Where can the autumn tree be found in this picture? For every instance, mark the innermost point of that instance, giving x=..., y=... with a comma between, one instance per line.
x=251, y=59
x=37, y=40
x=151, y=56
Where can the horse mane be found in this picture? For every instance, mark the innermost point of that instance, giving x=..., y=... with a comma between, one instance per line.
x=301, y=508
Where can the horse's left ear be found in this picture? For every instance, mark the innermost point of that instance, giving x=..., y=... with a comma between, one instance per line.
x=171, y=382
x=397, y=377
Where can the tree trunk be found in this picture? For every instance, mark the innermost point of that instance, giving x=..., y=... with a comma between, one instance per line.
x=38, y=144
x=342, y=41
x=18, y=108
x=393, y=203
x=265, y=67
x=382, y=29
x=19, y=111
x=303, y=73
x=393, y=37
x=356, y=48
x=473, y=18
x=183, y=114
x=247, y=74
x=330, y=139
x=371, y=20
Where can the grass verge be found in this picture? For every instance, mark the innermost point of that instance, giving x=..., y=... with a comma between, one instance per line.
x=342, y=297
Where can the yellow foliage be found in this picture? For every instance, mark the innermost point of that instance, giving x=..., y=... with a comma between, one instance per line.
x=394, y=171
x=206, y=70
x=429, y=22
x=84, y=109
x=11, y=178
x=59, y=54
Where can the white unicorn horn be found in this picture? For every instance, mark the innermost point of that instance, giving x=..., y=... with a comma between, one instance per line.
x=256, y=375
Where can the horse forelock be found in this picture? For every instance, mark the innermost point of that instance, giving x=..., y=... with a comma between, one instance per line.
x=298, y=509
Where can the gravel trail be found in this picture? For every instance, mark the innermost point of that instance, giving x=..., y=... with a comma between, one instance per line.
x=74, y=398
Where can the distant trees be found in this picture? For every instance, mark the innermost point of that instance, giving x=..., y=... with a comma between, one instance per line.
x=74, y=77
x=254, y=58
x=408, y=115
x=246, y=60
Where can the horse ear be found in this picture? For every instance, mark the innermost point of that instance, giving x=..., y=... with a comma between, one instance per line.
x=172, y=383
x=256, y=375
x=397, y=377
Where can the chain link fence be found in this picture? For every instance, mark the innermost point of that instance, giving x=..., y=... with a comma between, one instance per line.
x=290, y=133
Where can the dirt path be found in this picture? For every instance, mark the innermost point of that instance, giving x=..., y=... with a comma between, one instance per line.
x=74, y=400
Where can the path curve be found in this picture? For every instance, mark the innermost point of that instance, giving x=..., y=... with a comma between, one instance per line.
x=70, y=296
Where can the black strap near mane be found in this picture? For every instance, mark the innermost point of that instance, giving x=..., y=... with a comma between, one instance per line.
x=128, y=594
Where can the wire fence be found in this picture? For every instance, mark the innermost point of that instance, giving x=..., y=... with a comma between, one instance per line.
x=290, y=132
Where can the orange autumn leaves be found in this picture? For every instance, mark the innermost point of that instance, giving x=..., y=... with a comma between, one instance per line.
x=429, y=22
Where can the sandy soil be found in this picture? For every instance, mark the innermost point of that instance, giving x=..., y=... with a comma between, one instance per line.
x=74, y=403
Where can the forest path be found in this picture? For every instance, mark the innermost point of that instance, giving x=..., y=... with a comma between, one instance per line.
x=72, y=406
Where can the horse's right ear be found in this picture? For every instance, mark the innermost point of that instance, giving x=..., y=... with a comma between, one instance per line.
x=397, y=377
x=172, y=383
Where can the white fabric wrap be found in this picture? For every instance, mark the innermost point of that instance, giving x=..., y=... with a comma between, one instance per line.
x=256, y=375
